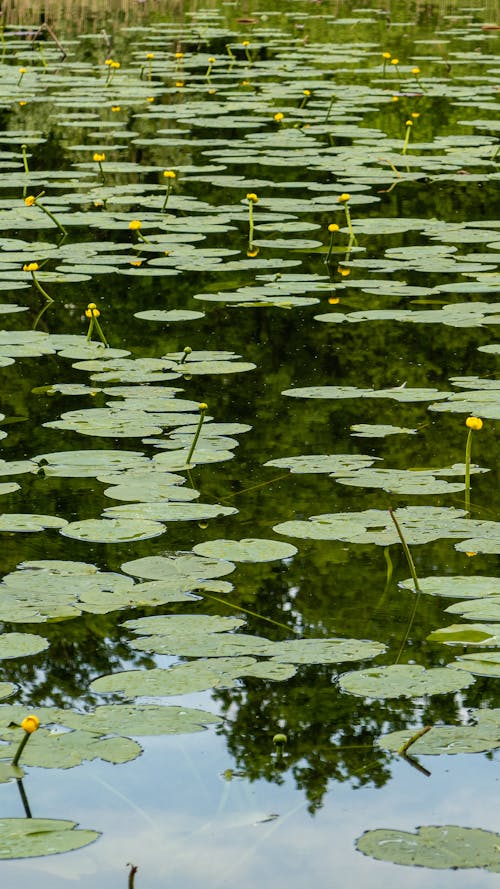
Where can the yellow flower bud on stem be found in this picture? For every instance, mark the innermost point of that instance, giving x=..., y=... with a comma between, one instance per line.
x=332, y=228
x=170, y=176
x=409, y=124
x=30, y=725
x=92, y=313
x=33, y=267
x=344, y=200
x=31, y=201
x=472, y=423
x=185, y=353
x=203, y=409
x=252, y=199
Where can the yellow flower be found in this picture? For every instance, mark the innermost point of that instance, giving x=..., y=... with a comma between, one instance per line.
x=115, y=108
x=306, y=92
x=30, y=724
x=245, y=83
x=409, y=123
x=23, y=102
x=31, y=267
x=333, y=300
x=203, y=406
x=415, y=114
x=134, y=225
x=179, y=55
x=150, y=55
x=343, y=198
x=92, y=311
x=22, y=70
x=98, y=157
x=386, y=55
x=474, y=423
x=394, y=61
x=136, y=263
x=30, y=200
x=415, y=70
x=245, y=43
x=470, y=554
x=115, y=65
x=279, y=116
x=150, y=98
x=179, y=83
x=169, y=174
x=108, y=62
x=211, y=60
x=333, y=227
x=252, y=197
x=343, y=272
x=253, y=253
x=395, y=98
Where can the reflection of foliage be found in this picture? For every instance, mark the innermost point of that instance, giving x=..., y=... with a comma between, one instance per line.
x=86, y=648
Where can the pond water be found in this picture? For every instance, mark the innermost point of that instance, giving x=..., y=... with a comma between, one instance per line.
x=249, y=274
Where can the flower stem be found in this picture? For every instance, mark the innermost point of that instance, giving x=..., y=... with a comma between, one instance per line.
x=40, y=289
x=203, y=410
x=468, y=451
x=409, y=559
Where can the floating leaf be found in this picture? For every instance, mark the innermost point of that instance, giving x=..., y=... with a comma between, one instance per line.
x=247, y=550
x=36, y=837
x=113, y=530
x=21, y=645
x=443, y=847
x=401, y=681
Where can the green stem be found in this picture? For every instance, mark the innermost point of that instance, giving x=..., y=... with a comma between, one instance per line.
x=101, y=334
x=407, y=552
x=230, y=604
x=250, y=224
x=20, y=749
x=468, y=450
x=349, y=224
x=406, y=746
x=407, y=139
x=40, y=288
x=197, y=434
x=25, y=159
x=51, y=216
x=167, y=195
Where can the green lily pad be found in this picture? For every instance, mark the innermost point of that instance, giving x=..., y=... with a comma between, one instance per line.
x=478, y=609
x=443, y=847
x=21, y=645
x=113, y=530
x=37, y=837
x=486, y=663
x=401, y=681
x=466, y=634
x=445, y=739
x=26, y=522
x=334, y=464
x=169, y=316
x=456, y=587
x=374, y=430
x=194, y=568
x=247, y=550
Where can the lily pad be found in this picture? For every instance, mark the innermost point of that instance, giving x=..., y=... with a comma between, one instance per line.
x=401, y=681
x=37, y=837
x=113, y=530
x=21, y=645
x=443, y=847
x=247, y=550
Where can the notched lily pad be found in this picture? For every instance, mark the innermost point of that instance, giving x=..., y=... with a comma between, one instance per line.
x=246, y=550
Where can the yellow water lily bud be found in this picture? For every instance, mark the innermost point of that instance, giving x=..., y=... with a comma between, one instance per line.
x=30, y=724
x=474, y=423
x=30, y=200
x=31, y=267
x=279, y=116
x=333, y=227
x=169, y=174
x=134, y=225
x=203, y=406
x=343, y=198
x=98, y=157
x=252, y=197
